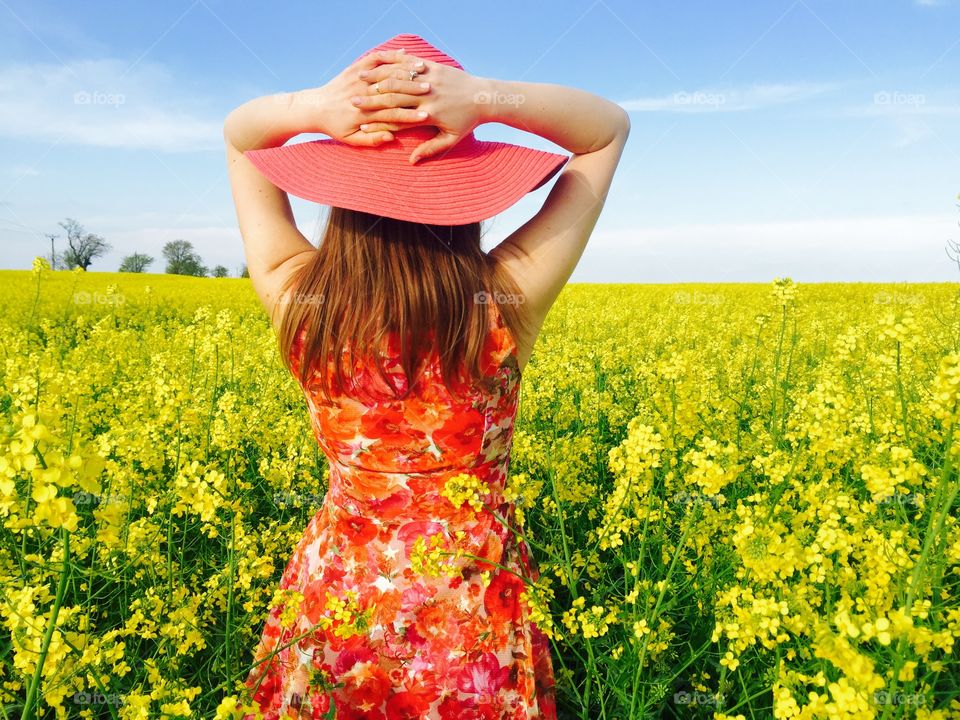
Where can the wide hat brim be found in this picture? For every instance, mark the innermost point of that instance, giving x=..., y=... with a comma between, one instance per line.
x=470, y=182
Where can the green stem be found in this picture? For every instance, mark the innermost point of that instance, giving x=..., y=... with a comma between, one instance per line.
x=36, y=300
x=230, y=562
x=29, y=711
x=663, y=590
x=585, y=702
x=776, y=372
x=903, y=400
x=934, y=527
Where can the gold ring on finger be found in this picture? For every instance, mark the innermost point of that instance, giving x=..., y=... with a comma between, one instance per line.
x=377, y=87
x=413, y=74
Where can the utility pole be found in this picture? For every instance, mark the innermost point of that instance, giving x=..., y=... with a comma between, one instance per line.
x=53, y=253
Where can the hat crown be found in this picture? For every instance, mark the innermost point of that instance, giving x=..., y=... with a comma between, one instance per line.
x=415, y=45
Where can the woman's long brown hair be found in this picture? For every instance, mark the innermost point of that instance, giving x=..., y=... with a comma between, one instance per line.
x=373, y=274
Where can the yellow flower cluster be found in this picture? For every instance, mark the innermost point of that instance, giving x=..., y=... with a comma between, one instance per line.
x=641, y=628
x=707, y=472
x=40, y=265
x=589, y=622
x=523, y=492
x=944, y=401
x=569, y=460
x=784, y=291
x=291, y=601
x=900, y=328
x=200, y=493
x=344, y=615
x=436, y=559
x=32, y=449
x=538, y=597
x=898, y=472
x=750, y=619
x=465, y=488
x=632, y=463
x=767, y=551
x=639, y=453
x=653, y=642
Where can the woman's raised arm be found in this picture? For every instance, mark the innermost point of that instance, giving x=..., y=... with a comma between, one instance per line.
x=542, y=254
x=273, y=245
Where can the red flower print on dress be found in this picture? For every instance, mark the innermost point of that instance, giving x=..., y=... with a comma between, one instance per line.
x=483, y=677
x=356, y=530
x=502, y=598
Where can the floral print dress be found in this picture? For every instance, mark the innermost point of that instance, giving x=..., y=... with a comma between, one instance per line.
x=372, y=628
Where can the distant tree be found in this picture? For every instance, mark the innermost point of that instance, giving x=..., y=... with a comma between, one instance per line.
x=182, y=260
x=136, y=263
x=82, y=247
x=955, y=247
x=221, y=271
x=244, y=273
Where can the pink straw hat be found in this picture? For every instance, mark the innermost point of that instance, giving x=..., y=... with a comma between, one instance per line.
x=471, y=181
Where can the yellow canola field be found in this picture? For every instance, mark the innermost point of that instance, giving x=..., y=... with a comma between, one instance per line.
x=742, y=498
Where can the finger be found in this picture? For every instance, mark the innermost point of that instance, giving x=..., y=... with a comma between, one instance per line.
x=380, y=101
x=392, y=55
x=399, y=56
x=370, y=138
x=437, y=144
x=386, y=101
x=378, y=126
x=396, y=115
x=393, y=85
x=372, y=60
x=398, y=70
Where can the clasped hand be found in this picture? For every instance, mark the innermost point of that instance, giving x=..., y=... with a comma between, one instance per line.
x=357, y=114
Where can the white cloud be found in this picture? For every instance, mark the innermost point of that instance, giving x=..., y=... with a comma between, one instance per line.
x=908, y=111
x=729, y=99
x=104, y=103
x=881, y=249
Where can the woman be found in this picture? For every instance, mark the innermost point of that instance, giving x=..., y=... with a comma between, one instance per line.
x=403, y=598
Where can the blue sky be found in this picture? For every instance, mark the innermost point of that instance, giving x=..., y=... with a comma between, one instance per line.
x=813, y=138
